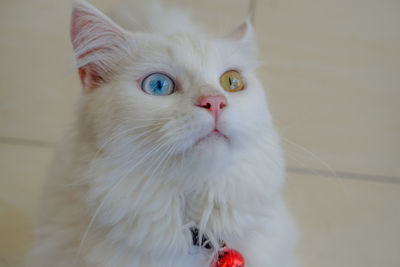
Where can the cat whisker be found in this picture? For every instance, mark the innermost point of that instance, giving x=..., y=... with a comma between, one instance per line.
x=164, y=159
x=121, y=134
x=110, y=191
x=318, y=159
x=108, y=141
x=146, y=182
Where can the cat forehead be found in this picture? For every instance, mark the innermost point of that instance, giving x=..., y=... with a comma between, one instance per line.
x=183, y=52
x=200, y=47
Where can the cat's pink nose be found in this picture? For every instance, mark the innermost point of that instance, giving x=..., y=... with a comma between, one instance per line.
x=214, y=104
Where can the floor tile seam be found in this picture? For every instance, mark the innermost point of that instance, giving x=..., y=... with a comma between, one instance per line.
x=290, y=169
x=344, y=175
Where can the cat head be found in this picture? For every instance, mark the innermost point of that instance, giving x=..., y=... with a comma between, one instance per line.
x=172, y=105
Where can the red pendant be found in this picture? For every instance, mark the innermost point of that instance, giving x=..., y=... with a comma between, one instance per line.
x=228, y=258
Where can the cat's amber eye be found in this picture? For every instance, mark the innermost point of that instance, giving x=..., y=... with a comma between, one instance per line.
x=231, y=81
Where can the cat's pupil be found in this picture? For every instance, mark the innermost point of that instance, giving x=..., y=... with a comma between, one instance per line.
x=159, y=85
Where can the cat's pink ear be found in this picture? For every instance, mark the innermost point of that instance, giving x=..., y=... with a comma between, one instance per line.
x=244, y=36
x=98, y=44
x=244, y=32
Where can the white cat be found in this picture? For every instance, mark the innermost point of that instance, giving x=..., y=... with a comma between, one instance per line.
x=173, y=134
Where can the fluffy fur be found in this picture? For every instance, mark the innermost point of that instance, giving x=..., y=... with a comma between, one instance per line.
x=135, y=174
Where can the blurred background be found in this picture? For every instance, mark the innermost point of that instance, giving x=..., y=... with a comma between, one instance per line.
x=332, y=74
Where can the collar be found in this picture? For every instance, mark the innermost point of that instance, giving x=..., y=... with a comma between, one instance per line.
x=226, y=257
x=205, y=242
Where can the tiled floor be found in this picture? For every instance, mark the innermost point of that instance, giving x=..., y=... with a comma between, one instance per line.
x=332, y=72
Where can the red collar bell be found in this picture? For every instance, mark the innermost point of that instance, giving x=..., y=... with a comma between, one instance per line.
x=228, y=258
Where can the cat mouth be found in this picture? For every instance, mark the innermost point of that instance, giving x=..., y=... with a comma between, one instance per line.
x=211, y=136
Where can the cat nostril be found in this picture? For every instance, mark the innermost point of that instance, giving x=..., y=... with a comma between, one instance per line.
x=207, y=106
x=212, y=103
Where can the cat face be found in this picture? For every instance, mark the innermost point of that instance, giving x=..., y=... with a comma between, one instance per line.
x=160, y=102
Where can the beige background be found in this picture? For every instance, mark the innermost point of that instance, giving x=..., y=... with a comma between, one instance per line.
x=332, y=73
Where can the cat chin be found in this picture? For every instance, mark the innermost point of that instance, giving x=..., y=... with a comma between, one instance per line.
x=210, y=153
x=212, y=147
x=213, y=138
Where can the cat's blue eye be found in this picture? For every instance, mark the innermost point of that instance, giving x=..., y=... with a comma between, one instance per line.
x=158, y=84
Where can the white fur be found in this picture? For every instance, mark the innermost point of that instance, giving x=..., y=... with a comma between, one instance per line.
x=132, y=178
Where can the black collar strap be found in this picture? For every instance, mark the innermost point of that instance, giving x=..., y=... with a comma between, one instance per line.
x=205, y=243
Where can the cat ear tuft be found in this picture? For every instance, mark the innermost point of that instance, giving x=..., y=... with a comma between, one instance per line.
x=98, y=44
